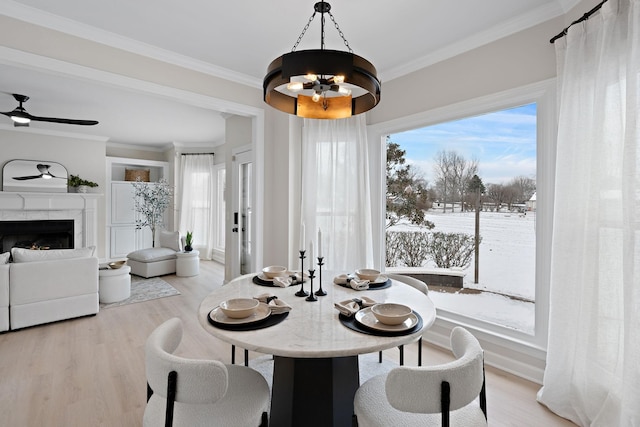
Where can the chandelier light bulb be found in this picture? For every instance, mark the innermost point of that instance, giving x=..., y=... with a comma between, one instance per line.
x=295, y=86
x=344, y=91
x=315, y=97
x=338, y=79
x=311, y=77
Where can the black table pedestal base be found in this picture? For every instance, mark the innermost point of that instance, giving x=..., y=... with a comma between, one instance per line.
x=313, y=392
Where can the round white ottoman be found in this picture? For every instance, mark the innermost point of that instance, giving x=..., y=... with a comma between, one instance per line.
x=115, y=284
x=187, y=263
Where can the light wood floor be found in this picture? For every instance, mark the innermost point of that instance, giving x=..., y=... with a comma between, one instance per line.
x=90, y=371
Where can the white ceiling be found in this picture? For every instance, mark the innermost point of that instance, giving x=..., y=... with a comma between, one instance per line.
x=232, y=40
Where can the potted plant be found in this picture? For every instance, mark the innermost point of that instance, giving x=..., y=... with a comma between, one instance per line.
x=151, y=201
x=81, y=185
x=188, y=241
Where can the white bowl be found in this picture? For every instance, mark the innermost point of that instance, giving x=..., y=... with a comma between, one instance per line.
x=117, y=264
x=391, y=313
x=367, y=274
x=239, y=308
x=274, y=271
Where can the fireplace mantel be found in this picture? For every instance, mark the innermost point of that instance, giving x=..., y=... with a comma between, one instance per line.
x=81, y=207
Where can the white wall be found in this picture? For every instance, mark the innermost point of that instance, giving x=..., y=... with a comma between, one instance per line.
x=83, y=157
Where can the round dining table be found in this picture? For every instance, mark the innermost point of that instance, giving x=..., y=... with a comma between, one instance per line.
x=315, y=353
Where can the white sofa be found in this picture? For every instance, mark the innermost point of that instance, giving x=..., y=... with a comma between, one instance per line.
x=47, y=286
x=159, y=260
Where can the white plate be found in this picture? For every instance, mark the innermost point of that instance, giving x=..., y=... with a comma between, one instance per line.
x=366, y=318
x=380, y=279
x=262, y=312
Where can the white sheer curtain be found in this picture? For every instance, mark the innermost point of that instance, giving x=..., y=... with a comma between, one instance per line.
x=593, y=370
x=197, y=207
x=336, y=196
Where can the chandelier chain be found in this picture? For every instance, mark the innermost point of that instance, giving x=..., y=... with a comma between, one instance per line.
x=306, y=27
x=304, y=30
x=346, y=43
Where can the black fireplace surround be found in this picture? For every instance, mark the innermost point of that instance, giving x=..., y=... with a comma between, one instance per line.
x=37, y=234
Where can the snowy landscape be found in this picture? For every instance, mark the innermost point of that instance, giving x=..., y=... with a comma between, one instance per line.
x=507, y=267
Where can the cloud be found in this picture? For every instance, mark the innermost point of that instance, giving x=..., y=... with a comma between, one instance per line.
x=503, y=142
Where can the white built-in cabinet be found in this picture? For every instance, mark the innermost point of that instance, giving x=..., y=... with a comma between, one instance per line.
x=122, y=236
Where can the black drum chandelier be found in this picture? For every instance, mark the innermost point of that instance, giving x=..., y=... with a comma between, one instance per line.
x=321, y=83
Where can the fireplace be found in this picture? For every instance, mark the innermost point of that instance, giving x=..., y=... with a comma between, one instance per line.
x=36, y=234
x=80, y=208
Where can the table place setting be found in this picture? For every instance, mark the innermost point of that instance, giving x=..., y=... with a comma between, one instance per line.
x=367, y=316
x=278, y=277
x=246, y=314
x=363, y=279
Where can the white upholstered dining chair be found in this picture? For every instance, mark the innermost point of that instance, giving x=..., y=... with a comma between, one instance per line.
x=190, y=392
x=452, y=393
x=422, y=287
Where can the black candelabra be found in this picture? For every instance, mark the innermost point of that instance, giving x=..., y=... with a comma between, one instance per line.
x=302, y=292
x=311, y=296
x=320, y=292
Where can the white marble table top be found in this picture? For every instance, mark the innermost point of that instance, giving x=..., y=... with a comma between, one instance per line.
x=312, y=329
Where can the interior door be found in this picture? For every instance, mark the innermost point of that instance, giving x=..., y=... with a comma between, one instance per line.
x=242, y=259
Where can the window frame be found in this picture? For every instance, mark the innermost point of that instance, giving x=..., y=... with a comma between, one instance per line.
x=218, y=252
x=513, y=350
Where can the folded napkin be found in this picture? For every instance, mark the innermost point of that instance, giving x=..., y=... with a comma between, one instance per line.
x=353, y=282
x=275, y=305
x=282, y=282
x=351, y=306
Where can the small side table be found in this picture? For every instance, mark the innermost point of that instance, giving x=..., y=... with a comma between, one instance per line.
x=187, y=263
x=115, y=284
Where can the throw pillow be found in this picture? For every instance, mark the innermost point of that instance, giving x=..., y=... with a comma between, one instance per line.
x=29, y=255
x=169, y=239
x=4, y=258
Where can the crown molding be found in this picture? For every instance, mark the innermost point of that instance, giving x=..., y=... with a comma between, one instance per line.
x=38, y=17
x=36, y=62
x=541, y=14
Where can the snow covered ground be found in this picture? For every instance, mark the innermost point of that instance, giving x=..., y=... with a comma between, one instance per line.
x=507, y=267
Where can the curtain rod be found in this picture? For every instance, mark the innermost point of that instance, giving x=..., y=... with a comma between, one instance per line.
x=197, y=154
x=577, y=21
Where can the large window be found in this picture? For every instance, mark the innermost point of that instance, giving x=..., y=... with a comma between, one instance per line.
x=471, y=178
x=517, y=328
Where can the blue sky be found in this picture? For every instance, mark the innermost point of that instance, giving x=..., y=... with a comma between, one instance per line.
x=503, y=142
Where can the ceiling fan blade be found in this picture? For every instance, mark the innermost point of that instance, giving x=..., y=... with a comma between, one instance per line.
x=22, y=113
x=65, y=121
x=23, y=178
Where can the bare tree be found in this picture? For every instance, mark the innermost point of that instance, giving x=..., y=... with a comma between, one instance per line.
x=524, y=188
x=463, y=171
x=496, y=194
x=444, y=176
x=453, y=174
x=510, y=194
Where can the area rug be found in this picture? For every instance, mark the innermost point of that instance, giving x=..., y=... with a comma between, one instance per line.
x=144, y=290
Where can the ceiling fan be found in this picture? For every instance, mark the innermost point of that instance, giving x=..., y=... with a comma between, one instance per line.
x=20, y=116
x=44, y=173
